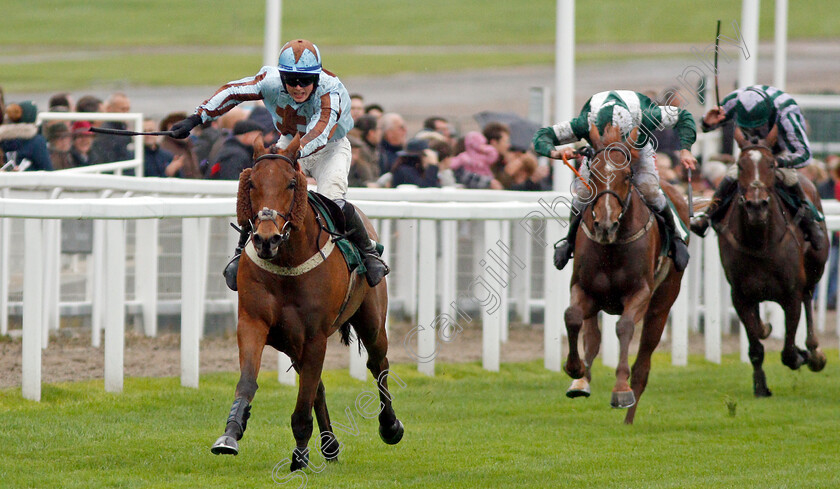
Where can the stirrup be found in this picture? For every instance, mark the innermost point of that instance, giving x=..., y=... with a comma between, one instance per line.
x=231, y=271
x=373, y=280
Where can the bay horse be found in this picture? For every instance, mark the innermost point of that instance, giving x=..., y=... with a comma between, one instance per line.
x=618, y=269
x=295, y=290
x=766, y=258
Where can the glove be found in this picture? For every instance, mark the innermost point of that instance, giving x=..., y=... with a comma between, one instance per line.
x=544, y=141
x=181, y=129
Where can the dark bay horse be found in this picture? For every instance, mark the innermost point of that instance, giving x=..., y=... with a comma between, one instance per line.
x=295, y=290
x=618, y=269
x=766, y=258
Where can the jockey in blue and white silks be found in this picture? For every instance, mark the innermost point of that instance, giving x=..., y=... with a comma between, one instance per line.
x=307, y=100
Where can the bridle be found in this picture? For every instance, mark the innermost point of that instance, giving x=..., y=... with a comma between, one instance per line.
x=266, y=214
x=624, y=201
x=757, y=184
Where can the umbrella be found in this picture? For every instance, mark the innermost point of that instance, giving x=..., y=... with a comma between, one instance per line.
x=521, y=130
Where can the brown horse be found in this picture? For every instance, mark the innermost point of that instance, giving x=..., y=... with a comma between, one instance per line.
x=766, y=258
x=618, y=269
x=295, y=290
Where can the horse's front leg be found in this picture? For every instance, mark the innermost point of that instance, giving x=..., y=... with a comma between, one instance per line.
x=635, y=307
x=816, y=357
x=591, y=345
x=311, y=363
x=792, y=356
x=581, y=307
x=755, y=329
x=251, y=336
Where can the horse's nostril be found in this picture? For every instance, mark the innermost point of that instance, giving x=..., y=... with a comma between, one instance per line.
x=614, y=226
x=597, y=223
x=258, y=240
x=275, y=240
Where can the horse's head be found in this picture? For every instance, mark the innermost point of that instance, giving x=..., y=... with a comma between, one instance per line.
x=272, y=197
x=610, y=179
x=756, y=175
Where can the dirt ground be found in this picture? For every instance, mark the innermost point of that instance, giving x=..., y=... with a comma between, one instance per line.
x=70, y=357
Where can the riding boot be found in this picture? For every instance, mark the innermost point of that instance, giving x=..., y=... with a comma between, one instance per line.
x=809, y=225
x=565, y=248
x=232, y=267
x=720, y=202
x=357, y=234
x=678, y=249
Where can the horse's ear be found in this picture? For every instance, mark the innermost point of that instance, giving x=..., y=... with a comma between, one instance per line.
x=259, y=148
x=594, y=137
x=772, y=136
x=740, y=138
x=244, y=212
x=633, y=137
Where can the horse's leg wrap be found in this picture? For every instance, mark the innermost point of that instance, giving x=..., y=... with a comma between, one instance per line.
x=238, y=418
x=357, y=234
x=232, y=267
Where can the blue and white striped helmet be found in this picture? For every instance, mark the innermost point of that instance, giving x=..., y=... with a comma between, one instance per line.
x=300, y=57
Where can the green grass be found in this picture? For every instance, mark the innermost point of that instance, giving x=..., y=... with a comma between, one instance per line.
x=142, y=32
x=464, y=428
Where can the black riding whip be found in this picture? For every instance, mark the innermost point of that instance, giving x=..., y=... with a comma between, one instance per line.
x=717, y=42
x=125, y=132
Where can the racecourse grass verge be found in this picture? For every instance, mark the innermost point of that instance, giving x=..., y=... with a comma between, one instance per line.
x=464, y=428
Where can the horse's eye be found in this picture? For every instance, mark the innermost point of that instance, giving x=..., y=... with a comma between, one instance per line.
x=292, y=185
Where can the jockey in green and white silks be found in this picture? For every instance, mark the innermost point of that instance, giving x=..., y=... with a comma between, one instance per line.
x=303, y=99
x=756, y=110
x=627, y=110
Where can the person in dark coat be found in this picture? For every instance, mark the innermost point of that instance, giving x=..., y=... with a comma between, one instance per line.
x=19, y=138
x=237, y=151
x=416, y=165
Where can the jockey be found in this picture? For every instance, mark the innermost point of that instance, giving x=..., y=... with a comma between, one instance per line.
x=627, y=110
x=756, y=110
x=303, y=98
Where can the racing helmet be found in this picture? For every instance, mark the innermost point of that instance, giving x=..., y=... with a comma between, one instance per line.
x=300, y=58
x=754, y=110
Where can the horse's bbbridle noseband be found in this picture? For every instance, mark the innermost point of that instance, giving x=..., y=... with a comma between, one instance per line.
x=266, y=214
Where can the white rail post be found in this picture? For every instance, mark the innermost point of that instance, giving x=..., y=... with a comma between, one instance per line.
x=405, y=282
x=384, y=232
x=203, y=249
x=505, y=272
x=98, y=278
x=556, y=285
x=711, y=305
x=748, y=65
x=679, y=322
x=491, y=320
x=780, y=38
x=358, y=356
x=427, y=288
x=52, y=275
x=448, y=263
x=146, y=272
x=115, y=305
x=5, y=240
x=609, y=340
x=190, y=298
x=33, y=275
x=521, y=284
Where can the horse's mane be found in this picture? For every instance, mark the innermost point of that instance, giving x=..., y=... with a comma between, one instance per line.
x=245, y=212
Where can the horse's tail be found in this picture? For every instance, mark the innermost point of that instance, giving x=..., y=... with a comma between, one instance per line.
x=344, y=329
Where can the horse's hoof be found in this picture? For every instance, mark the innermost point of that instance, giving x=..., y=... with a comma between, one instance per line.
x=759, y=391
x=623, y=399
x=300, y=459
x=392, y=435
x=579, y=388
x=225, y=445
x=576, y=372
x=816, y=361
x=329, y=446
x=794, y=358
x=766, y=329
